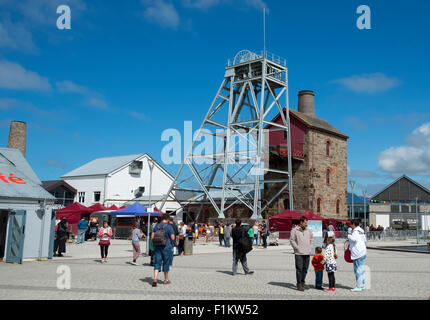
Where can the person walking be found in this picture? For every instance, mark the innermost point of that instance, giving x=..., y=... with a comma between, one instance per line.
x=264, y=233
x=208, y=233
x=181, y=238
x=242, y=244
x=136, y=235
x=162, y=237
x=62, y=234
x=318, y=263
x=221, y=234
x=330, y=257
x=82, y=228
x=357, y=241
x=174, y=241
x=105, y=233
x=93, y=229
x=227, y=235
x=255, y=230
x=302, y=241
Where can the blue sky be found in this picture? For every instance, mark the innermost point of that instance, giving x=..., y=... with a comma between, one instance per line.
x=129, y=69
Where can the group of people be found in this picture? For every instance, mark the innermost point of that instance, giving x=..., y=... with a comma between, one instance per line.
x=302, y=241
x=166, y=235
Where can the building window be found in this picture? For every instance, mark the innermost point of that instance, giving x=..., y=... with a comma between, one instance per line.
x=337, y=206
x=327, y=148
x=319, y=201
x=96, y=196
x=81, y=197
x=327, y=176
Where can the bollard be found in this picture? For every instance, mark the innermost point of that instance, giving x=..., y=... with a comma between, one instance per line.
x=188, y=246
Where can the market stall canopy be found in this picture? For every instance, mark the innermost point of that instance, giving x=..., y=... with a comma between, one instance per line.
x=114, y=208
x=97, y=207
x=73, y=213
x=134, y=210
x=312, y=216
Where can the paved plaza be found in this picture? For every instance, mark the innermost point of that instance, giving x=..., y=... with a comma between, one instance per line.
x=207, y=275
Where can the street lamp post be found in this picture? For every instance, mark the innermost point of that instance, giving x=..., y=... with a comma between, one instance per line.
x=151, y=167
x=364, y=208
x=416, y=210
x=352, y=184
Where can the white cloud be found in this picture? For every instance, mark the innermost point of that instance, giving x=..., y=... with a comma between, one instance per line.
x=13, y=76
x=200, y=4
x=71, y=87
x=15, y=36
x=161, y=13
x=356, y=123
x=137, y=115
x=369, y=83
x=93, y=99
x=412, y=158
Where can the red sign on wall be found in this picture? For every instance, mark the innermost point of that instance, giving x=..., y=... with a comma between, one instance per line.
x=12, y=178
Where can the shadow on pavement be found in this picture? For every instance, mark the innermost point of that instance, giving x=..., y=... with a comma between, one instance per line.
x=230, y=273
x=284, y=284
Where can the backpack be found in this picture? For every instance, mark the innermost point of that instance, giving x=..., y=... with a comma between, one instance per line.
x=245, y=242
x=160, y=237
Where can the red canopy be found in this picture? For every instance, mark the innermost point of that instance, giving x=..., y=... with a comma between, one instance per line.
x=97, y=207
x=73, y=213
x=113, y=207
x=312, y=216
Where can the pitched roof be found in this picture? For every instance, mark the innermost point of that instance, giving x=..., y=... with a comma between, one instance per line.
x=52, y=184
x=398, y=179
x=312, y=122
x=13, y=162
x=15, y=157
x=317, y=123
x=102, y=166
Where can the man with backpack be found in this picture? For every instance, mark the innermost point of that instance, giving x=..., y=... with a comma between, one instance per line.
x=162, y=237
x=242, y=244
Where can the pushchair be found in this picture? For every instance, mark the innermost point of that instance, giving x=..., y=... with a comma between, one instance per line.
x=273, y=239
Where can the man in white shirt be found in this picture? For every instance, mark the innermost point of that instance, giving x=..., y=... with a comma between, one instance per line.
x=255, y=230
x=357, y=241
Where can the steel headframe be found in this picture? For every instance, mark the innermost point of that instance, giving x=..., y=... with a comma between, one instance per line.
x=253, y=85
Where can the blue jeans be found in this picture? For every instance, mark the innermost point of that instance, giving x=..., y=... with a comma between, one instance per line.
x=256, y=239
x=81, y=236
x=319, y=278
x=163, y=255
x=264, y=237
x=227, y=242
x=359, y=272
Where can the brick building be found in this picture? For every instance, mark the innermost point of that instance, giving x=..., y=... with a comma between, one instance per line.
x=319, y=161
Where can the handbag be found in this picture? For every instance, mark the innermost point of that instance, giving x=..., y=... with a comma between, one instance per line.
x=347, y=254
x=104, y=243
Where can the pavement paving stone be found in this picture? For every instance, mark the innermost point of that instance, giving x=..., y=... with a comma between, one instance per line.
x=207, y=275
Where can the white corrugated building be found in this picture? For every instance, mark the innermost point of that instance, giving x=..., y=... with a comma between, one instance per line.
x=120, y=179
x=26, y=219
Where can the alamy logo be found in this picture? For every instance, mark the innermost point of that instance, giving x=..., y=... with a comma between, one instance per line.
x=364, y=21
x=64, y=21
x=64, y=278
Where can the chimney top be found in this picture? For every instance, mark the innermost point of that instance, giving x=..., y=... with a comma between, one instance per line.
x=17, y=136
x=306, y=102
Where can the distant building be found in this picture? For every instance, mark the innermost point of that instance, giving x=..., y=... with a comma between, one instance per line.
x=63, y=192
x=319, y=163
x=116, y=180
x=26, y=219
x=396, y=205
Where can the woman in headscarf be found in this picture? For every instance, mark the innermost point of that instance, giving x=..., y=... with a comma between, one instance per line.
x=62, y=236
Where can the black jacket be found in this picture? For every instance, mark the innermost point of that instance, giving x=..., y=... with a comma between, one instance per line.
x=236, y=234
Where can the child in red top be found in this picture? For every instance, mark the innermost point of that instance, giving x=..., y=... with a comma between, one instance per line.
x=317, y=262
